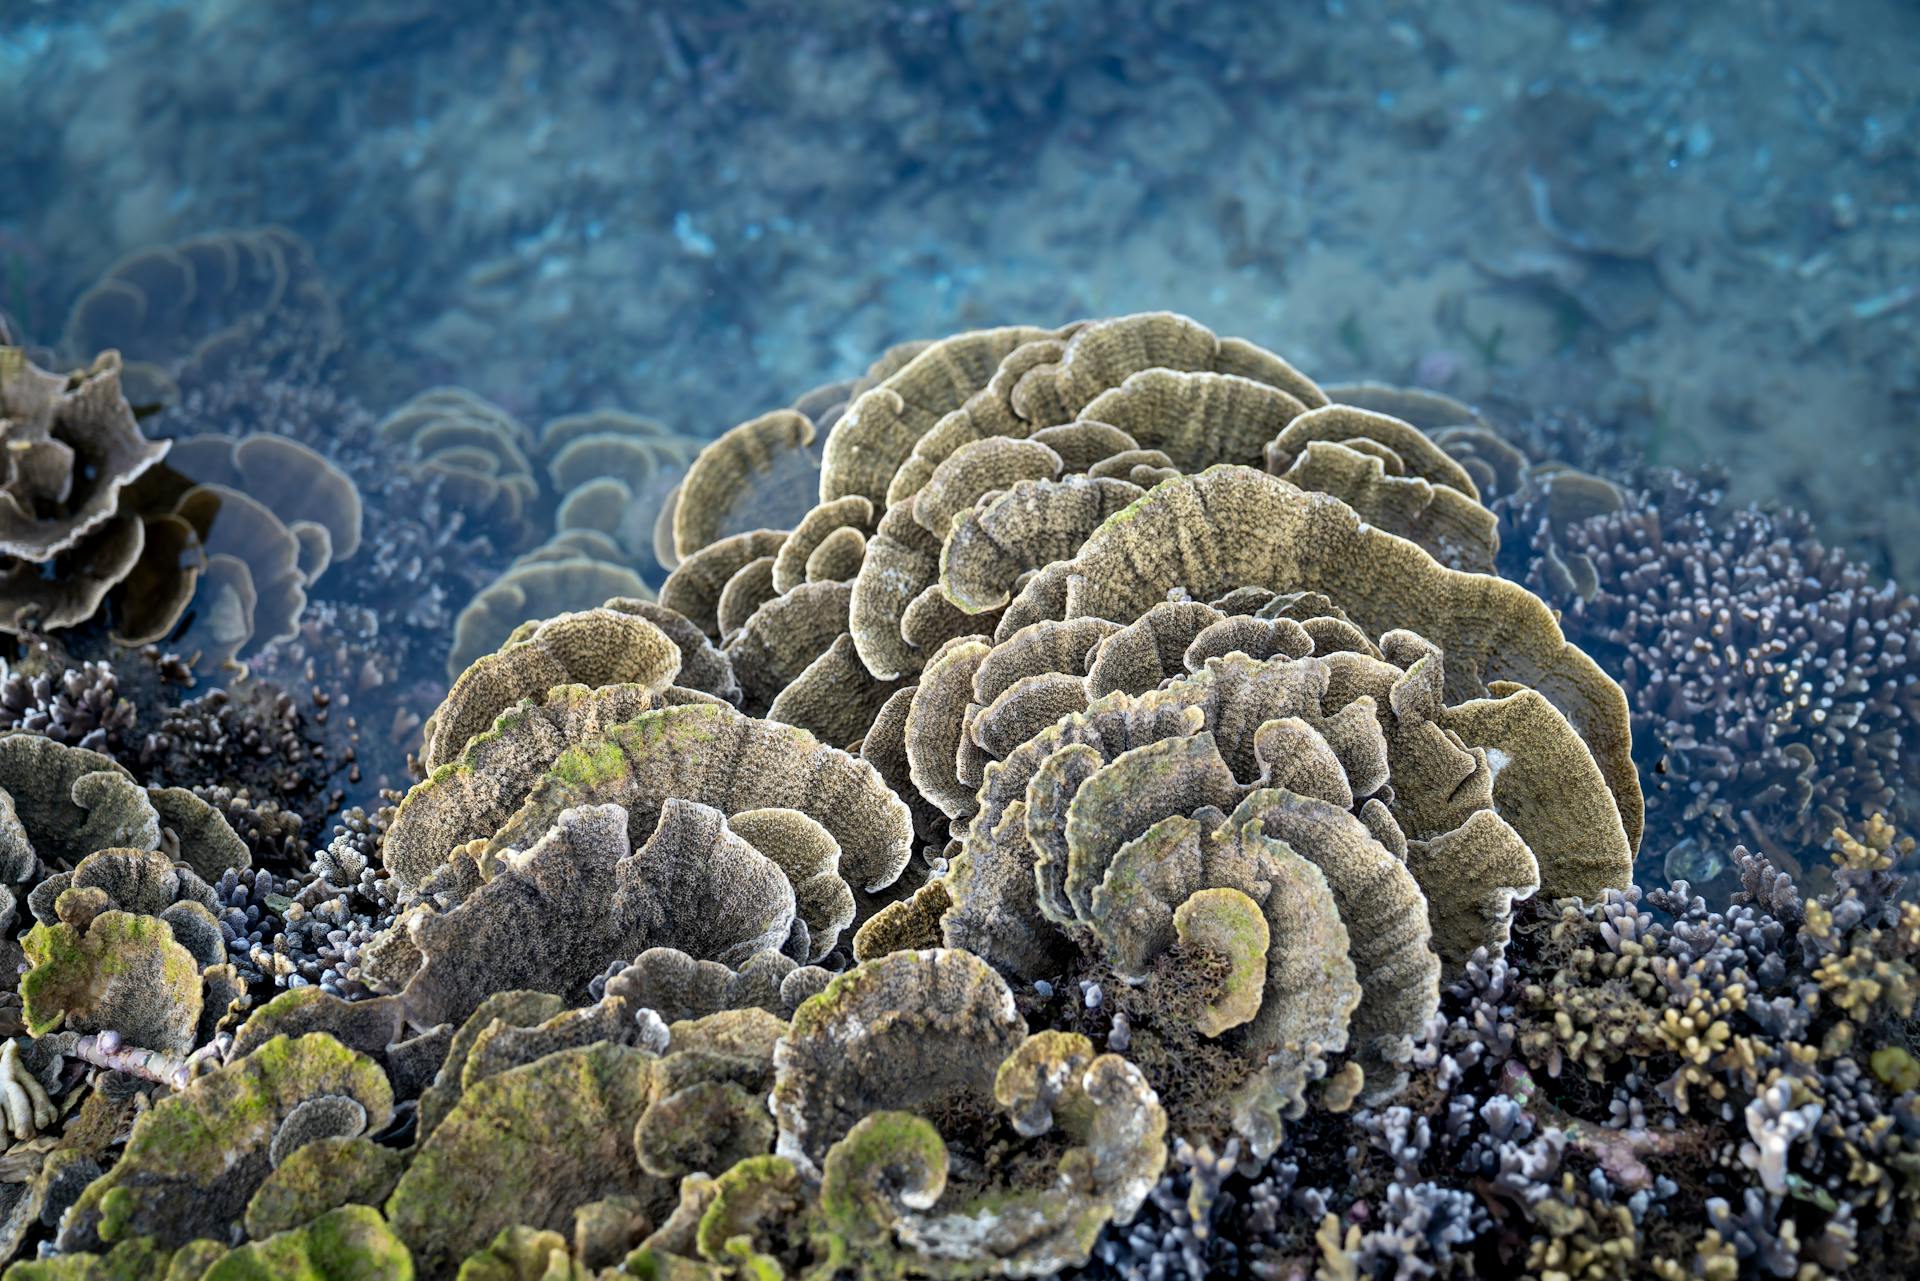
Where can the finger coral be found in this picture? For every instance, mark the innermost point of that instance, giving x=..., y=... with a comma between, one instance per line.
x=1773, y=681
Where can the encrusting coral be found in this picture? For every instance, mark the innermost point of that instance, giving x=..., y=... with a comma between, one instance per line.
x=1116, y=820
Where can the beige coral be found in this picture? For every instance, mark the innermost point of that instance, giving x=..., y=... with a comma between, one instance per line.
x=72, y=448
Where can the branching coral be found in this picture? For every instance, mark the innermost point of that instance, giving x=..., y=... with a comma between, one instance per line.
x=1773, y=682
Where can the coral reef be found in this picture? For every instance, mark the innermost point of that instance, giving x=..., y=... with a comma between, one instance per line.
x=248, y=526
x=1114, y=819
x=189, y=313
x=1718, y=1095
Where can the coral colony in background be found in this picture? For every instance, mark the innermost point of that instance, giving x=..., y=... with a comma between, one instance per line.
x=1087, y=801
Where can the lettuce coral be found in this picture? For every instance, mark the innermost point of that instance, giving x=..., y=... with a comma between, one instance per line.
x=1072, y=778
x=72, y=448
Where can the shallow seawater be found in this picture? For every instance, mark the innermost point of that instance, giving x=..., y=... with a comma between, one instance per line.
x=347, y=342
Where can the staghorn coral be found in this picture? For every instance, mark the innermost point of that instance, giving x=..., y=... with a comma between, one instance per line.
x=80, y=706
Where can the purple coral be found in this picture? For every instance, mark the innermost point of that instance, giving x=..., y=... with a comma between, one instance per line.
x=1775, y=688
x=80, y=706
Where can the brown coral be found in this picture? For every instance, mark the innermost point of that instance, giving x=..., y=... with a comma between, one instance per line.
x=474, y=449
x=187, y=312
x=72, y=448
x=902, y=1089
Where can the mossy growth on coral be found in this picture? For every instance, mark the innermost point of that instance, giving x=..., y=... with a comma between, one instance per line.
x=349, y=1244
x=124, y=972
x=322, y=1176
x=195, y=1159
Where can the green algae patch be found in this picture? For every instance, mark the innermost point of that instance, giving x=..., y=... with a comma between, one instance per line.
x=195, y=1159
x=524, y=1148
x=322, y=1176
x=887, y=1161
x=524, y=1254
x=124, y=972
x=593, y=765
x=754, y=1203
x=515, y=1009
x=137, y=1260
x=350, y=1244
x=191, y=1261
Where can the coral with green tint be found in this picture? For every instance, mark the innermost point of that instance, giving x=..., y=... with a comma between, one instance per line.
x=525, y=1147
x=320, y=1176
x=524, y=1254
x=349, y=1244
x=123, y=973
x=139, y=1259
x=196, y=1158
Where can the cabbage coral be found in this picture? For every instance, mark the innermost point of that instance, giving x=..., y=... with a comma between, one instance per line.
x=1117, y=792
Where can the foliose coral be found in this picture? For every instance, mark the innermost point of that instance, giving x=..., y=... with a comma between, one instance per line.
x=72, y=448
x=1121, y=824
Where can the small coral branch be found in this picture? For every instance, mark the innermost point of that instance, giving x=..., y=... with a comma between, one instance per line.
x=108, y=1050
x=1619, y=1151
x=25, y=1102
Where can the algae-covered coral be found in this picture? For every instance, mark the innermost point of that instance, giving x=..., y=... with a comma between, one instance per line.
x=1114, y=819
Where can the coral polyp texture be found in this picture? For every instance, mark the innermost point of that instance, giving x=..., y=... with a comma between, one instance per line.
x=1084, y=800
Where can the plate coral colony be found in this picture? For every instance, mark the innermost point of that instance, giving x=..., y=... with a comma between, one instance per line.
x=1088, y=801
